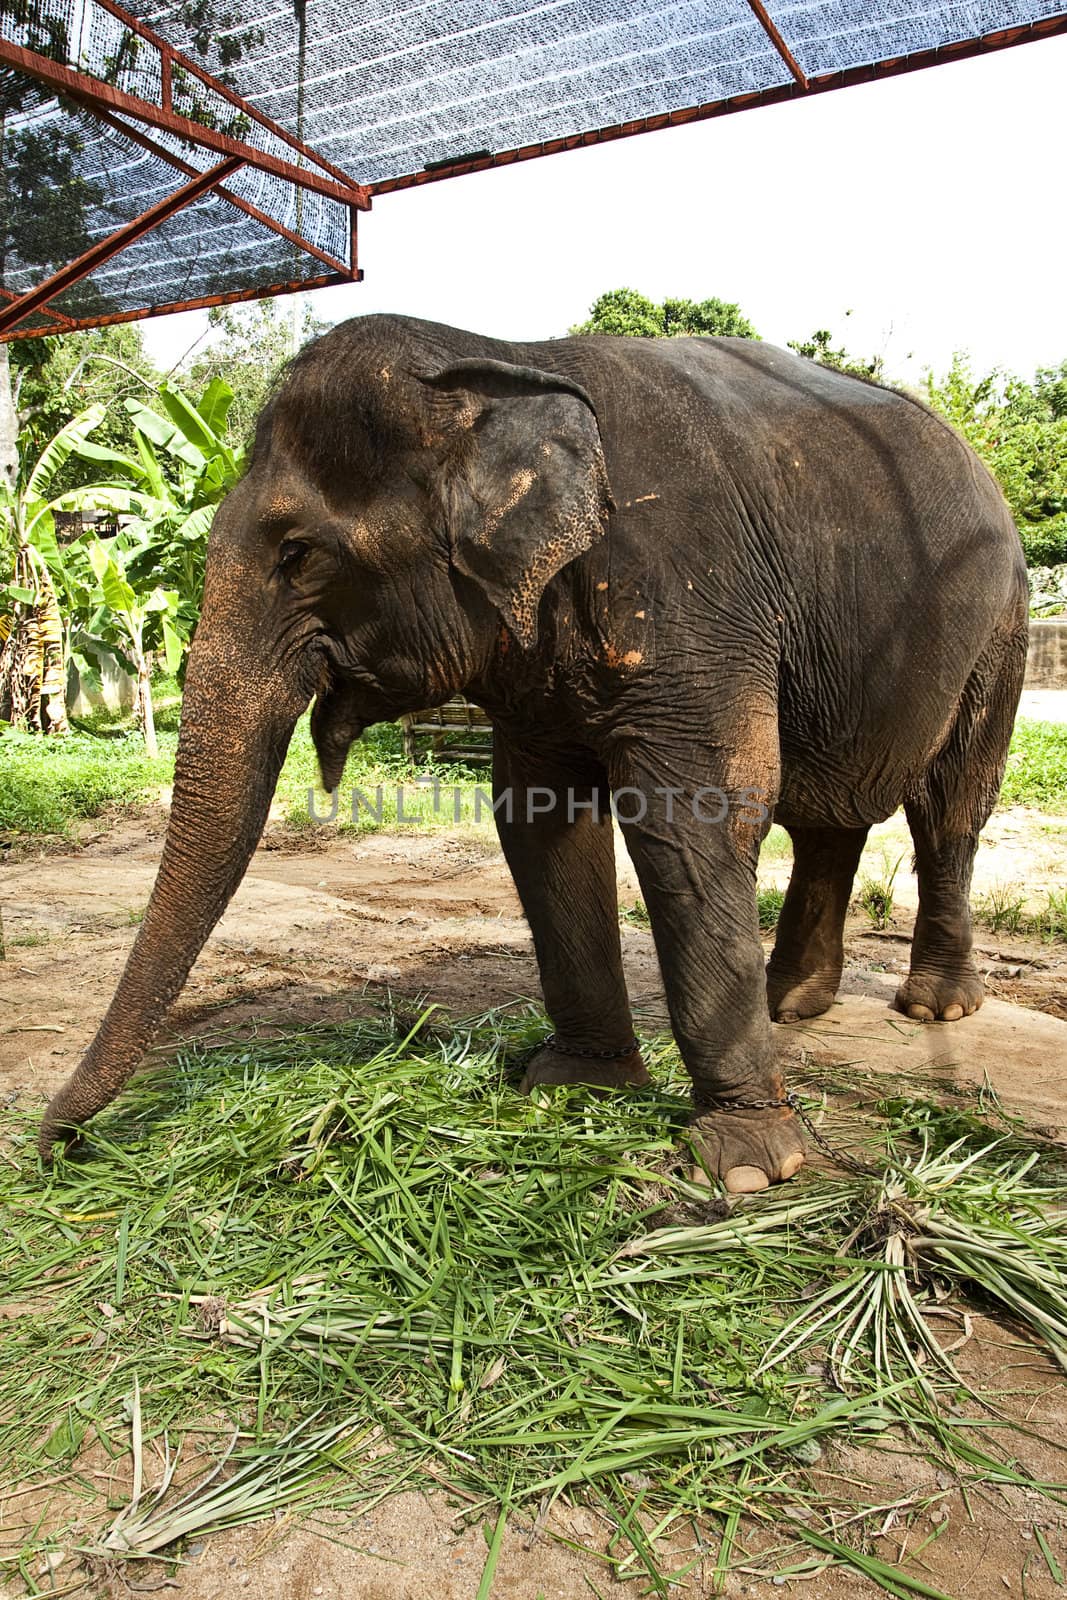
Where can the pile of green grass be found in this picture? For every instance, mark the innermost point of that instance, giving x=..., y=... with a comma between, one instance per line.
x=363, y=1233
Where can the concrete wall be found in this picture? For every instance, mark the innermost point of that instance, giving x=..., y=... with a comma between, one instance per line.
x=1046, y=664
x=115, y=693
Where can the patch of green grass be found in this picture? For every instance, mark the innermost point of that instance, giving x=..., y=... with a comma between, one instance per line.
x=1001, y=908
x=777, y=846
x=364, y=1233
x=46, y=785
x=637, y=915
x=380, y=789
x=1037, y=767
x=1051, y=921
x=875, y=895
x=769, y=903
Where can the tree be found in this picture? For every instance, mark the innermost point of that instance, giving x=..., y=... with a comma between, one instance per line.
x=123, y=622
x=55, y=377
x=625, y=311
x=251, y=347
x=134, y=594
x=820, y=348
x=1020, y=431
x=36, y=643
x=9, y=424
x=184, y=467
x=151, y=574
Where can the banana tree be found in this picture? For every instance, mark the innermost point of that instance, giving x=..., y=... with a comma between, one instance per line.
x=188, y=466
x=140, y=592
x=35, y=651
x=151, y=574
x=182, y=469
x=124, y=622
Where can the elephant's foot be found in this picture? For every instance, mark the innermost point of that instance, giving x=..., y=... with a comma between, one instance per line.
x=553, y=1065
x=929, y=996
x=793, y=995
x=747, y=1149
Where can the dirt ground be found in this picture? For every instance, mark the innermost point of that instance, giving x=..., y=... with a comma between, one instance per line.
x=325, y=925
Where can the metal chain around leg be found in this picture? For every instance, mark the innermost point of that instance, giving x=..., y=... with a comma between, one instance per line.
x=841, y=1158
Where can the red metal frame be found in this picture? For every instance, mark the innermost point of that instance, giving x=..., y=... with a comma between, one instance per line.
x=890, y=68
x=156, y=149
x=36, y=299
x=767, y=24
x=330, y=280
x=169, y=56
x=65, y=323
x=93, y=93
x=114, y=106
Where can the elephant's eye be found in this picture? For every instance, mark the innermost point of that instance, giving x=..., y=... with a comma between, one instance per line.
x=290, y=556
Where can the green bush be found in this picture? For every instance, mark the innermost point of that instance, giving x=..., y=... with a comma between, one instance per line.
x=1019, y=429
x=1045, y=543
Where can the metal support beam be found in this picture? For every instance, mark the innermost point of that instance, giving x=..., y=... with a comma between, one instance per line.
x=765, y=22
x=330, y=280
x=36, y=299
x=63, y=324
x=163, y=154
x=170, y=57
x=895, y=66
x=94, y=94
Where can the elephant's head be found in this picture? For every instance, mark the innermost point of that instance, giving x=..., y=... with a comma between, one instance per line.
x=406, y=499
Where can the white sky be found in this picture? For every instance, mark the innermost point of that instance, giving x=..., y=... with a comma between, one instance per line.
x=931, y=205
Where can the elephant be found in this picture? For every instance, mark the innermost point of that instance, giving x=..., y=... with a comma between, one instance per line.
x=676, y=568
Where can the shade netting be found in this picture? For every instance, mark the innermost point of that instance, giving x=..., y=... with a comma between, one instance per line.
x=386, y=90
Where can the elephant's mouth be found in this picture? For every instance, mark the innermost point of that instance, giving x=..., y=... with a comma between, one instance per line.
x=336, y=724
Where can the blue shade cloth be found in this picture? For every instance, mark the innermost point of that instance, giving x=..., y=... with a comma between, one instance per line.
x=384, y=89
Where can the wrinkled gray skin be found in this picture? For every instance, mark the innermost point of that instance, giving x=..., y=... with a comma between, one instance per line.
x=659, y=565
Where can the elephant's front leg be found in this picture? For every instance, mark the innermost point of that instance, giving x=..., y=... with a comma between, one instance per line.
x=563, y=861
x=695, y=849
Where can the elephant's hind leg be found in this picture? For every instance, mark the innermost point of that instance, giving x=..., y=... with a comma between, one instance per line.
x=805, y=966
x=946, y=815
x=943, y=984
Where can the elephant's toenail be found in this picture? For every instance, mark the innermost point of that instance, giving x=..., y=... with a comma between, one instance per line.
x=952, y=1014
x=788, y=1016
x=698, y=1175
x=920, y=1013
x=746, y=1180
x=792, y=1165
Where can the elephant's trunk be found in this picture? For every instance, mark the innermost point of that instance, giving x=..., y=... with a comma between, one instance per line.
x=235, y=730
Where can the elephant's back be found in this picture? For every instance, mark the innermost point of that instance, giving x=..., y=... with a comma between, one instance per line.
x=842, y=525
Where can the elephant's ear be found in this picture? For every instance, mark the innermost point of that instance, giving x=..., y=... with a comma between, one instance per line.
x=525, y=488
